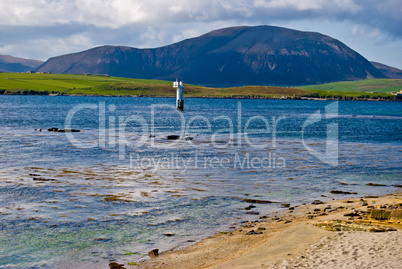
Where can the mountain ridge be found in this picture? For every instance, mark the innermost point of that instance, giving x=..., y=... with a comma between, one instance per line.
x=389, y=71
x=234, y=56
x=15, y=64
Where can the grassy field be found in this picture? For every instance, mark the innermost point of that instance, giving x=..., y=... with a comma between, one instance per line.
x=57, y=84
x=369, y=85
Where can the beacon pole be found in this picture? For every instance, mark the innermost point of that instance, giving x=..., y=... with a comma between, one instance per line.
x=179, y=85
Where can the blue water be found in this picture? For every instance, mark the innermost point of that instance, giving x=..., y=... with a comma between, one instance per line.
x=116, y=189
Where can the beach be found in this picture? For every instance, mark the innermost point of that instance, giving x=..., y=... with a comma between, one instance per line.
x=116, y=190
x=346, y=233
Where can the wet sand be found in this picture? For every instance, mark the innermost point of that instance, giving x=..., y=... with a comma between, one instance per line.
x=306, y=236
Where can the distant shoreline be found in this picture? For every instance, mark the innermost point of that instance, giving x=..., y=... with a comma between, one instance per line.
x=215, y=97
x=80, y=85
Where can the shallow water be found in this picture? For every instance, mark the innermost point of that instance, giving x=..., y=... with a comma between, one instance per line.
x=112, y=192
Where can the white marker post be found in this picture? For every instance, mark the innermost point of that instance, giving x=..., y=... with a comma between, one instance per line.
x=179, y=85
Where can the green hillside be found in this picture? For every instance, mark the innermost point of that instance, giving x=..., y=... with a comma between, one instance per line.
x=369, y=85
x=57, y=84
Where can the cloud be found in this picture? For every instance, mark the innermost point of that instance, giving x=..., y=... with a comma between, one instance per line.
x=62, y=24
x=114, y=14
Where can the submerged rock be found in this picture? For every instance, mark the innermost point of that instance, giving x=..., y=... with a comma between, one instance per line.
x=63, y=130
x=68, y=131
x=173, y=137
x=342, y=192
x=376, y=185
x=255, y=201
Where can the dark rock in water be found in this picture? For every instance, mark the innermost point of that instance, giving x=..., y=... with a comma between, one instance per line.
x=38, y=130
x=169, y=234
x=42, y=179
x=173, y=137
x=63, y=130
x=255, y=201
x=68, y=131
x=153, y=253
x=115, y=265
x=253, y=213
x=398, y=186
x=375, y=185
x=249, y=207
x=285, y=205
x=342, y=192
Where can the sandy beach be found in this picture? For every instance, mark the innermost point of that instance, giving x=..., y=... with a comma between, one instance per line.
x=349, y=233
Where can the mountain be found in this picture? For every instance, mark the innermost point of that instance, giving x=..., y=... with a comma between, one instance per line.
x=260, y=55
x=390, y=72
x=14, y=64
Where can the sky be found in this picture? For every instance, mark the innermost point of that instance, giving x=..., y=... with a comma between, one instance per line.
x=40, y=29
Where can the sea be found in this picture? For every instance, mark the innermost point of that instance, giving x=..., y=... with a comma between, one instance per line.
x=119, y=187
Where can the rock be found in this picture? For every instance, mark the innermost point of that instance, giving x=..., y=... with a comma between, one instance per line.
x=342, y=192
x=115, y=265
x=173, y=137
x=63, y=130
x=285, y=205
x=398, y=186
x=252, y=232
x=169, y=234
x=153, y=253
x=317, y=202
x=375, y=185
x=255, y=201
x=42, y=179
x=249, y=207
x=38, y=130
x=375, y=230
x=379, y=214
x=253, y=213
x=68, y=131
x=352, y=214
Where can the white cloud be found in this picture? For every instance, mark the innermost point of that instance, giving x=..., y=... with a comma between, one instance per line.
x=43, y=48
x=72, y=25
x=118, y=13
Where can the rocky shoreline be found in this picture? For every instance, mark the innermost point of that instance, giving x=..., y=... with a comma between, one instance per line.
x=318, y=234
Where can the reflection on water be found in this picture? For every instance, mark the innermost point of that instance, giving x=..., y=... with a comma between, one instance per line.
x=114, y=193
